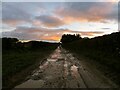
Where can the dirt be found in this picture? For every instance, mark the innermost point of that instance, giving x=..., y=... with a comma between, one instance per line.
x=63, y=70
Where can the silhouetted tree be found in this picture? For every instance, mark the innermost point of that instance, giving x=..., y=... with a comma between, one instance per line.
x=9, y=43
x=66, y=38
x=105, y=49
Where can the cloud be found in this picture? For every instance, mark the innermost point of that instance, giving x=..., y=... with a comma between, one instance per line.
x=16, y=13
x=88, y=11
x=105, y=28
x=85, y=33
x=48, y=21
x=33, y=33
x=57, y=14
x=26, y=20
x=13, y=15
x=91, y=34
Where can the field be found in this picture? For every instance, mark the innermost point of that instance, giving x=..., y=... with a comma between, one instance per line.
x=18, y=63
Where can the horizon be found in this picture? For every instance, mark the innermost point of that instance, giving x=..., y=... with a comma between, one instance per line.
x=48, y=21
x=60, y=38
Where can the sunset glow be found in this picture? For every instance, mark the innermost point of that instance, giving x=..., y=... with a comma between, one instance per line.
x=50, y=20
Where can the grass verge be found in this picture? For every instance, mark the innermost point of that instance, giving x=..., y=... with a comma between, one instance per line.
x=108, y=63
x=18, y=64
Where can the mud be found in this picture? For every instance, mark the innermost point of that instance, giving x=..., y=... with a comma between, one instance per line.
x=63, y=70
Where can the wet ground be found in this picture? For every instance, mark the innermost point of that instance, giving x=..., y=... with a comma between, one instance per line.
x=63, y=70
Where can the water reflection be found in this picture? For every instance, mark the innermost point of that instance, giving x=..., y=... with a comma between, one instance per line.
x=74, y=71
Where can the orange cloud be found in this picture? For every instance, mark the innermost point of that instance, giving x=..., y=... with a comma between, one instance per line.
x=33, y=33
x=86, y=33
x=88, y=12
x=90, y=33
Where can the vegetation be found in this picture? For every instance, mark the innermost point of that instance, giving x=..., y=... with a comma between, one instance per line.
x=66, y=38
x=19, y=57
x=103, y=49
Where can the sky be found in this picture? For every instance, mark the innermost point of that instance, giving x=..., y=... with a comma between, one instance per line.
x=50, y=20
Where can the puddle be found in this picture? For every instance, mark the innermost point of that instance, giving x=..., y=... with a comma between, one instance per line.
x=51, y=60
x=74, y=71
x=54, y=56
x=44, y=66
x=66, y=69
x=74, y=68
x=47, y=63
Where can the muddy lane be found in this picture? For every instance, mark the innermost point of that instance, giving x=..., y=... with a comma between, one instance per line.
x=62, y=70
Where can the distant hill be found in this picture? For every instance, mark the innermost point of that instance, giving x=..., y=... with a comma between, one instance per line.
x=14, y=43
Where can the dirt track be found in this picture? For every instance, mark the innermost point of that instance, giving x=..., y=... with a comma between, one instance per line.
x=63, y=70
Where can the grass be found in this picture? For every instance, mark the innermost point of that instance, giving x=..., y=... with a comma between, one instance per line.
x=16, y=61
x=106, y=59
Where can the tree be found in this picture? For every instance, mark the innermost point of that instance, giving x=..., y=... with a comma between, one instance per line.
x=9, y=43
x=66, y=38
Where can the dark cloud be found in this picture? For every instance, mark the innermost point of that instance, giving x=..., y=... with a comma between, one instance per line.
x=105, y=28
x=88, y=11
x=50, y=21
x=15, y=13
x=11, y=14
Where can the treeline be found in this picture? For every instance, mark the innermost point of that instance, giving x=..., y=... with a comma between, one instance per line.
x=66, y=38
x=15, y=44
x=107, y=43
x=103, y=49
